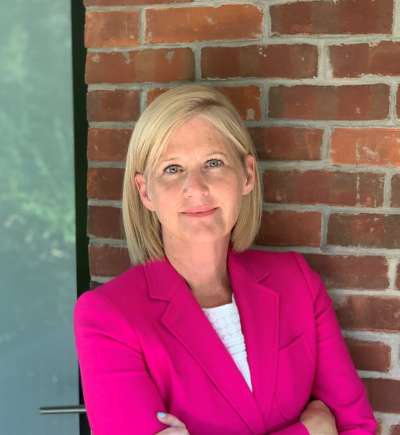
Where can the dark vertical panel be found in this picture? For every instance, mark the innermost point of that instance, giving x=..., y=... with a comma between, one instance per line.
x=80, y=140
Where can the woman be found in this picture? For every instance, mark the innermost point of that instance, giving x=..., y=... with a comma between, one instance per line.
x=223, y=338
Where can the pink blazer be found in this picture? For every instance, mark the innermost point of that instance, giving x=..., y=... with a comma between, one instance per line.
x=145, y=345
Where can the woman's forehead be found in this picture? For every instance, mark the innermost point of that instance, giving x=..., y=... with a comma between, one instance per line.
x=196, y=137
x=175, y=149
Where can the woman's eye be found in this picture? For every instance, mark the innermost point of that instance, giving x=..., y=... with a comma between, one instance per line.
x=170, y=166
x=213, y=163
x=218, y=161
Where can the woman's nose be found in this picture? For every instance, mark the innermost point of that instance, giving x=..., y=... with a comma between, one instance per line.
x=195, y=184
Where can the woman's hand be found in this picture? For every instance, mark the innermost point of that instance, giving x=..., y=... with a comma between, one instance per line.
x=318, y=419
x=178, y=427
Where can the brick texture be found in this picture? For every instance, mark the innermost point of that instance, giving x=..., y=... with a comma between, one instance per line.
x=333, y=17
x=107, y=144
x=351, y=272
x=289, y=61
x=395, y=429
x=398, y=103
x=367, y=230
x=130, y=2
x=110, y=29
x=369, y=355
x=108, y=260
x=203, y=23
x=105, y=222
x=369, y=146
x=287, y=143
x=118, y=105
x=364, y=102
x=148, y=65
x=317, y=84
x=384, y=394
x=287, y=228
x=355, y=60
x=105, y=183
x=369, y=313
x=334, y=188
x=395, y=202
x=398, y=277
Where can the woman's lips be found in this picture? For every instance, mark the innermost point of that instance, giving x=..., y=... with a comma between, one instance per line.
x=201, y=213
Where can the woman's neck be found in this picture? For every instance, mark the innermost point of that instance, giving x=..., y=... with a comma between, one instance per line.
x=204, y=268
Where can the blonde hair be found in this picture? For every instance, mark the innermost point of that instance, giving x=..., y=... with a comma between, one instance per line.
x=149, y=138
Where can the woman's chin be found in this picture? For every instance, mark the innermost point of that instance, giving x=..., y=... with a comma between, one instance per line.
x=198, y=233
x=204, y=236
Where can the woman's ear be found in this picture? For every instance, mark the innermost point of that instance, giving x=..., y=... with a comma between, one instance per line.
x=250, y=174
x=142, y=188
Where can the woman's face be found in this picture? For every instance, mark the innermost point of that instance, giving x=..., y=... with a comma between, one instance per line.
x=197, y=170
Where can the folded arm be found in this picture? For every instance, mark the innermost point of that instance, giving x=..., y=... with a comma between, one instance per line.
x=119, y=394
x=336, y=380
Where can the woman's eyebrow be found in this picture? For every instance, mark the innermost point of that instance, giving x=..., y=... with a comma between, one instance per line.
x=207, y=155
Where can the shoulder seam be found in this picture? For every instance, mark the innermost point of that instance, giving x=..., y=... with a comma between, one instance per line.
x=109, y=301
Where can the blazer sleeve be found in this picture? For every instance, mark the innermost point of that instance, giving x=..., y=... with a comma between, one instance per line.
x=119, y=393
x=336, y=380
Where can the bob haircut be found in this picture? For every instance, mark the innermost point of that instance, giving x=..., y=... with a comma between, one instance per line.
x=148, y=141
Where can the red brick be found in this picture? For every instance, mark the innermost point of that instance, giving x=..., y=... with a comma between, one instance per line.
x=369, y=146
x=351, y=272
x=332, y=17
x=364, y=229
x=117, y=105
x=203, y=23
x=355, y=60
x=105, y=183
x=106, y=144
x=105, y=222
x=398, y=277
x=395, y=202
x=112, y=29
x=384, y=394
x=369, y=355
x=348, y=102
x=288, y=61
x=395, y=429
x=246, y=99
x=398, y=102
x=149, y=65
x=287, y=143
x=324, y=187
x=370, y=313
x=108, y=260
x=290, y=228
x=130, y=2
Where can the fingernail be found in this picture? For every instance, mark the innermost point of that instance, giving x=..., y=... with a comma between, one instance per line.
x=161, y=414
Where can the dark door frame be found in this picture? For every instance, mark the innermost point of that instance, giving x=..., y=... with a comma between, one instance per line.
x=80, y=161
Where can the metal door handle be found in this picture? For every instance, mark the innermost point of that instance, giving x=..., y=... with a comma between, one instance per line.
x=67, y=409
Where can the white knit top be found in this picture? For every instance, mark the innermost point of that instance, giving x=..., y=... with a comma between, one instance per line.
x=226, y=321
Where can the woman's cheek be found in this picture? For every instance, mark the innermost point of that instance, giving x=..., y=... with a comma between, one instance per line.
x=167, y=186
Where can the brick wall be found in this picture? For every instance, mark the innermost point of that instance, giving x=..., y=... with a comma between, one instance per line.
x=317, y=83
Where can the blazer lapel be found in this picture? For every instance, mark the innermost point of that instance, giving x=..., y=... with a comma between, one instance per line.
x=258, y=310
x=258, y=307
